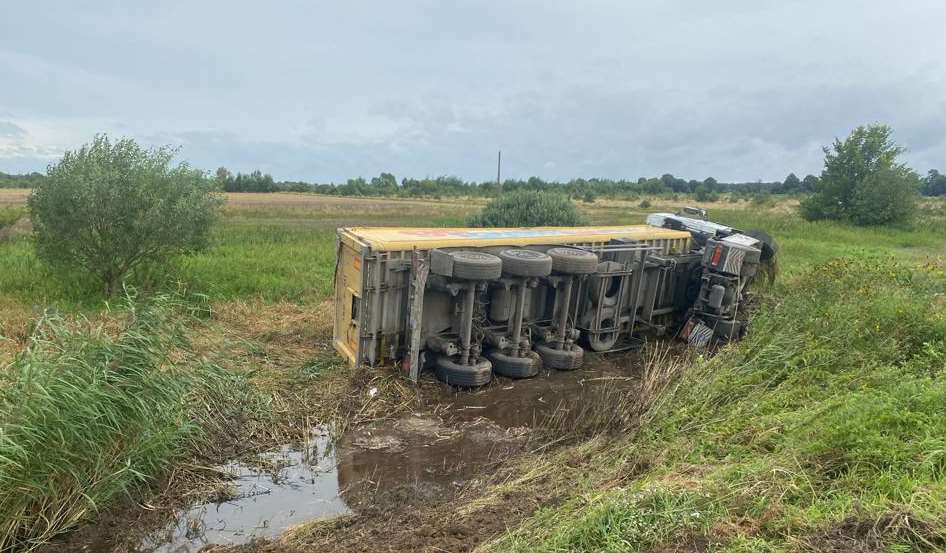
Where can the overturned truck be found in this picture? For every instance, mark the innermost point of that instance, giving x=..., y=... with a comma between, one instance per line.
x=469, y=303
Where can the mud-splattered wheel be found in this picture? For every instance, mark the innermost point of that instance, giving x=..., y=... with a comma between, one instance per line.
x=567, y=359
x=466, y=264
x=573, y=261
x=470, y=376
x=525, y=263
x=515, y=367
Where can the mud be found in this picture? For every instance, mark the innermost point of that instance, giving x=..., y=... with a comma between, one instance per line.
x=512, y=403
x=390, y=468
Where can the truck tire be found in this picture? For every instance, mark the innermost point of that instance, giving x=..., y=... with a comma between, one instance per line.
x=561, y=359
x=525, y=263
x=767, y=260
x=514, y=367
x=610, y=295
x=604, y=341
x=466, y=264
x=573, y=261
x=468, y=376
x=769, y=247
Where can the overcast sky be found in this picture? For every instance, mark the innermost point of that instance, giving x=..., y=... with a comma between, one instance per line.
x=739, y=90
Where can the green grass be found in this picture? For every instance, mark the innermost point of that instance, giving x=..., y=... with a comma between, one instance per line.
x=828, y=422
x=269, y=252
x=89, y=414
x=831, y=411
x=9, y=215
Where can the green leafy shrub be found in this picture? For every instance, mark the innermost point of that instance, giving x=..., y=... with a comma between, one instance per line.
x=528, y=209
x=645, y=204
x=108, y=208
x=863, y=182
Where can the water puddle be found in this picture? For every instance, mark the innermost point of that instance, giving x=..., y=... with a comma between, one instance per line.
x=418, y=459
x=284, y=488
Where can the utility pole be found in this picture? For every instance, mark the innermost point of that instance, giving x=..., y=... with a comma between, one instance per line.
x=499, y=166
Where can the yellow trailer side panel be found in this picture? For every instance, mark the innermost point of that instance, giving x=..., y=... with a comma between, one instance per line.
x=348, y=287
x=406, y=238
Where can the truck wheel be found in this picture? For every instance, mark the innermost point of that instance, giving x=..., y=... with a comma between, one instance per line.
x=573, y=261
x=513, y=367
x=767, y=261
x=467, y=264
x=610, y=295
x=769, y=247
x=469, y=376
x=561, y=359
x=526, y=263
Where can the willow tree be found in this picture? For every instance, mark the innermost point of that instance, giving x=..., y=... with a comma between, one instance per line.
x=110, y=207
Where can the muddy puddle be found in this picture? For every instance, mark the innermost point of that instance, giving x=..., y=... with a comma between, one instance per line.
x=419, y=459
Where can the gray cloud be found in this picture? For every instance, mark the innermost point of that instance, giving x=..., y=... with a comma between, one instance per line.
x=9, y=130
x=741, y=90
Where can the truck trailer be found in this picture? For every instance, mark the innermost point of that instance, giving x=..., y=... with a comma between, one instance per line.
x=473, y=302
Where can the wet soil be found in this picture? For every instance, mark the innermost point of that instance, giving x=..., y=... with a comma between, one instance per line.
x=394, y=477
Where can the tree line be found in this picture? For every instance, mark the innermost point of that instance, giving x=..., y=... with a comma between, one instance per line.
x=28, y=180
x=386, y=184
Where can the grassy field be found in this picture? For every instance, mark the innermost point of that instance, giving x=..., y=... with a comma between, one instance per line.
x=823, y=429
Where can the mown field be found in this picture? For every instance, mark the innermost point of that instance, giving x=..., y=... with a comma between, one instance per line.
x=824, y=430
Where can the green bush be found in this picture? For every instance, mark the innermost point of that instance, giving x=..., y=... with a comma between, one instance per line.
x=528, y=209
x=645, y=204
x=863, y=182
x=108, y=208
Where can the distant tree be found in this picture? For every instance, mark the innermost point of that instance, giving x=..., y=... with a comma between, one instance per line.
x=223, y=175
x=107, y=207
x=384, y=184
x=655, y=186
x=791, y=185
x=668, y=180
x=809, y=184
x=934, y=184
x=863, y=182
x=705, y=194
x=710, y=184
x=528, y=208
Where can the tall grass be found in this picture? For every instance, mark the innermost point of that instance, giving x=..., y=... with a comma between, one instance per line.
x=827, y=423
x=10, y=215
x=87, y=414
